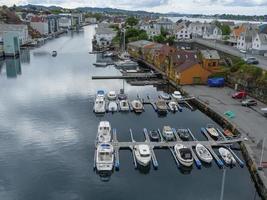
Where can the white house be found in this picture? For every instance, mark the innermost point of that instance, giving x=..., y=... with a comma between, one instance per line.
x=244, y=41
x=182, y=32
x=20, y=29
x=259, y=44
x=212, y=32
x=196, y=28
x=103, y=37
x=40, y=23
x=165, y=23
x=150, y=29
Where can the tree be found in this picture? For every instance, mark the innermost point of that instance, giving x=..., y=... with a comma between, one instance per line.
x=131, y=21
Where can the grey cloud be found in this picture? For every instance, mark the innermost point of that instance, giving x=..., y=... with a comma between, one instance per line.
x=240, y=3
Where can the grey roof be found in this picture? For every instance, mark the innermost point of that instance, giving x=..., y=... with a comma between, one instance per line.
x=210, y=28
x=140, y=43
x=210, y=54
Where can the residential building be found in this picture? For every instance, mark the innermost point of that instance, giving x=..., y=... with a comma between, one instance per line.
x=53, y=23
x=11, y=44
x=65, y=21
x=210, y=60
x=259, y=44
x=164, y=23
x=20, y=29
x=182, y=32
x=236, y=32
x=103, y=37
x=137, y=49
x=40, y=24
x=197, y=29
x=244, y=41
x=212, y=32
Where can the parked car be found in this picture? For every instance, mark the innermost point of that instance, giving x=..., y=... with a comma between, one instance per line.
x=264, y=111
x=243, y=51
x=249, y=102
x=251, y=60
x=239, y=95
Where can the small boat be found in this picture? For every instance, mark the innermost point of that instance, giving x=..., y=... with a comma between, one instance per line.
x=165, y=96
x=100, y=93
x=104, y=157
x=124, y=105
x=112, y=95
x=203, y=153
x=228, y=133
x=173, y=105
x=154, y=135
x=184, y=134
x=112, y=106
x=137, y=106
x=108, y=54
x=184, y=155
x=124, y=56
x=161, y=106
x=227, y=156
x=142, y=154
x=104, y=132
x=177, y=95
x=54, y=53
x=168, y=133
x=126, y=63
x=100, y=105
x=100, y=64
x=212, y=131
x=122, y=96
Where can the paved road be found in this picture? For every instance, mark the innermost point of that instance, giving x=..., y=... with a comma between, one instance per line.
x=250, y=120
x=231, y=50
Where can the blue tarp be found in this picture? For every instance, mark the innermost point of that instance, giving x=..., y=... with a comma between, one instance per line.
x=216, y=82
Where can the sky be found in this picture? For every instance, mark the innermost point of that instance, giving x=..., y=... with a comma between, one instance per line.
x=247, y=7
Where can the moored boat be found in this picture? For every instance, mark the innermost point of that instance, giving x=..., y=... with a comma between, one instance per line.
x=126, y=63
x=228, y=133
x=183, y=134
x=142, y=154
x=161, y=106
x=154, y=135
x=100, y=64
x=112, y=95
x=227, y=156
x=165, y=96
x=177, y=95
x=212, y=131
x=168, y=133
x=137, y=106
x=112, y=106
x=100, y=93
x=100, y=105
x=203, y=153
x=104, y=132
x=124, y=105
x=173, y=106
x=104, y=157
x=184, y=155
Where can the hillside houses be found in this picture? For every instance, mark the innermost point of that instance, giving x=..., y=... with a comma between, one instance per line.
x=180, y=66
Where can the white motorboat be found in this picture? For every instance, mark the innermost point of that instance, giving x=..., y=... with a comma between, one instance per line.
x=100, y=105
x=124, y=56
x=212, y=131
x=104, y=132
x=161, y=106
x=112, y=106
x=112, y=95
x=168, y=133
x=165, y=96
x=203, y=153
x=173, y=105
x=177, y=95
x=142, y=154
x=227, y=156
x=124, y=105
x=184, y=155
x=104, y=157
x=137, y=106
x=126, y=63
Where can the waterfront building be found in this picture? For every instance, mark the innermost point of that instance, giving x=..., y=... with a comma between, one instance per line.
x=90, y=20
x=259, y=44
x=103, y=37
x=137, y=48
x=53, y=23
x=19, y=29
x=40, y=24
x=11, y=44
x=65, y=21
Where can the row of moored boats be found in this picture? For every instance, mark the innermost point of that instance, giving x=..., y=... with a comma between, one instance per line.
x=142, y=152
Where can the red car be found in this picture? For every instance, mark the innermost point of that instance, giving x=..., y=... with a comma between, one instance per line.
x=239, y=95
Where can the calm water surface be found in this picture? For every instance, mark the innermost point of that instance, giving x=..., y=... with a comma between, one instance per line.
x=47, y=132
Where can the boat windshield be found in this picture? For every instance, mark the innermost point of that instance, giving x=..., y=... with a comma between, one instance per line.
x=105, y=156
x=186, y=154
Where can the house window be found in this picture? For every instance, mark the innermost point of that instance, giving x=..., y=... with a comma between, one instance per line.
x=257, y=45
x=185, y=31
x=214, y=64
x=181, y=36
x=182, y=31
x=186, y=35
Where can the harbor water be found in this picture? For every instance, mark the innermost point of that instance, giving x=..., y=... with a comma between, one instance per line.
x=48, y=131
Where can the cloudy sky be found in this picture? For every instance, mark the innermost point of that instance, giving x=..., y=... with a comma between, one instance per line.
x=248, y=7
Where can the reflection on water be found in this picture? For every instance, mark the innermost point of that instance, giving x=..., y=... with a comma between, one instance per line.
x=25, y=56
x=13, y=67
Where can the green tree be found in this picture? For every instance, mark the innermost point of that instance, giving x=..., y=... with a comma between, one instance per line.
x=131, y=21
